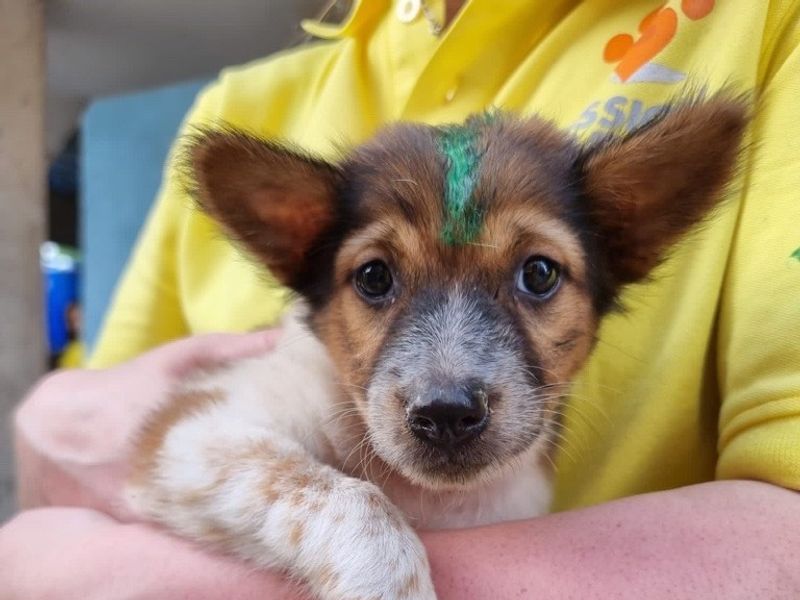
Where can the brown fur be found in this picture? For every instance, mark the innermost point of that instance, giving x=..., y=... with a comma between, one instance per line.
x=296, y=533
x=151, y=437
x=410, y=587
x=256, y=183
x=649, y=188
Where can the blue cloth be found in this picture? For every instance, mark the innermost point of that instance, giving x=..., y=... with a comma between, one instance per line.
x=124, y=143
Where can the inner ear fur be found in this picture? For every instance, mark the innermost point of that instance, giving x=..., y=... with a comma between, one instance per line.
x=651, y=186
x=277, y=201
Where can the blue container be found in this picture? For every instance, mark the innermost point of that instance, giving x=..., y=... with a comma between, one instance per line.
x=61, y=283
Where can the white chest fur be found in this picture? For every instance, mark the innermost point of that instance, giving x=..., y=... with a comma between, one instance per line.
x=522, y=493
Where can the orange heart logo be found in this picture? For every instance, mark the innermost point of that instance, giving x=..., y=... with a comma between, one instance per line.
x=656, y=29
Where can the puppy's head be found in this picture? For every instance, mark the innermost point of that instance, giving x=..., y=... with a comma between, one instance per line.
x=457, y=274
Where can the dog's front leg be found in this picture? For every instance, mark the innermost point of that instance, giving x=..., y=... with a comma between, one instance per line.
x=262, y=496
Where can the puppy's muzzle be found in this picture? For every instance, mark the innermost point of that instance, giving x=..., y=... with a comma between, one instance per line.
x=449, y=416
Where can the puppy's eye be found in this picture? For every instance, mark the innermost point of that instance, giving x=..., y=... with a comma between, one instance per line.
x=539, y=276
x=374, y=280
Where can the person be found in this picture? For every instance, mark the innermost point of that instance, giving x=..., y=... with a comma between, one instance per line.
x=679, y=465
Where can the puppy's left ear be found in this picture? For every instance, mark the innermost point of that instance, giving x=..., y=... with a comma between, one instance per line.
x=648, y=188
x=278, y=202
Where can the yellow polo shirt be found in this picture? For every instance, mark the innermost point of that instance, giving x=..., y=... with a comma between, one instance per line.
x=700, y=379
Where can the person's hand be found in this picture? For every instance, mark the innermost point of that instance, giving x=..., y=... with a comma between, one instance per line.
x=77, y=553
x=73, y=431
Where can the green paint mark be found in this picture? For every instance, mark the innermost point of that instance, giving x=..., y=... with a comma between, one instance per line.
x=796, y=254
x=458, y=144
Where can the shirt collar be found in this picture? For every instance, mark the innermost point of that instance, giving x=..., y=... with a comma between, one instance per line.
x=361, y=13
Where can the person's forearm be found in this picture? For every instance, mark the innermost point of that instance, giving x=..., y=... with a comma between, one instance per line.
x=66, y=553
x=721, y=540
x=732, y=539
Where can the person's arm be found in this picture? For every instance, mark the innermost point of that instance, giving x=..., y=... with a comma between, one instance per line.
x=758, y=332
x=727, y=540
x=77, y=553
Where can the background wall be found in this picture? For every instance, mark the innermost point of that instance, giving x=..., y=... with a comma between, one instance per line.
x=83, y=49
x=102, y=47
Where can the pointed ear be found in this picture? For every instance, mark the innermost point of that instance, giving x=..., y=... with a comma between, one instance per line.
x=277, y=202
x=648, y=188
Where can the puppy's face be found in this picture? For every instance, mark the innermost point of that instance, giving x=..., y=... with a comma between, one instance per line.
x=464, y=296
x=457, y=275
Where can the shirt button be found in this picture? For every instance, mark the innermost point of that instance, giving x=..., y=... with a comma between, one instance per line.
x=450, y=93
x=408, y=10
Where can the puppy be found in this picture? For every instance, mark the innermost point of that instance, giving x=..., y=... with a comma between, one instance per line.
x=451, y=281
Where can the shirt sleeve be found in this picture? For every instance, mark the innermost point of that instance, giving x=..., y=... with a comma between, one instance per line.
x=146, y=309
x=759, y=326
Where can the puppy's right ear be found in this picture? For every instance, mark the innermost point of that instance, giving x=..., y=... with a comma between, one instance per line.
x=276, y=201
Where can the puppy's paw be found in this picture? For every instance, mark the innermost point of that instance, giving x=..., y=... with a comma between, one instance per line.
x=368, y=550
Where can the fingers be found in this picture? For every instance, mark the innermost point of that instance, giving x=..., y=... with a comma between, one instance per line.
x=243, y=345
x=208, y=350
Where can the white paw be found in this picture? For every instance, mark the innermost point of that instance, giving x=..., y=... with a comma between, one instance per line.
x=371, y=552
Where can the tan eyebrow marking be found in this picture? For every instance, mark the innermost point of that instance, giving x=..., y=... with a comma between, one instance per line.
x=511, y=228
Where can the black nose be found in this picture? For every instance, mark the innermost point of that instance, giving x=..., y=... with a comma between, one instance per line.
x=450, y=416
